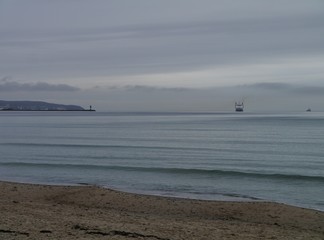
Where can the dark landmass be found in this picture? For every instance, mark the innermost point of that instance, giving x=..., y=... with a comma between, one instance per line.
x=38, y=106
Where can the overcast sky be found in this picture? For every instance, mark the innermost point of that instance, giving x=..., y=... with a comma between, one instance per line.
x=164, y=55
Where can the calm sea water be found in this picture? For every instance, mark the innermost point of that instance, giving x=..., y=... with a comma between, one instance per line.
x=206, y=156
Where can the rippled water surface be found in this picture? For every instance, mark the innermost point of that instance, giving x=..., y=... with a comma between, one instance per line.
x=276, y=157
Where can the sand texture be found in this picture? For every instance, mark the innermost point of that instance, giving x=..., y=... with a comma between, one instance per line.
x=88, y=212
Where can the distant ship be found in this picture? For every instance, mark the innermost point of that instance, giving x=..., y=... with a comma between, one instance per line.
x=308, y=110
x=239, y=106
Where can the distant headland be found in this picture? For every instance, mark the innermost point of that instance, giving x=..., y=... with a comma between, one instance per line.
x=39, y=106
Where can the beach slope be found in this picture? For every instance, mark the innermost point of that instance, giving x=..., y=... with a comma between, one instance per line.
x=89, y=212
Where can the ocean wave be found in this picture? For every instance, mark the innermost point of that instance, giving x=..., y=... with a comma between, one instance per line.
x=163, y=148
x=179, y=171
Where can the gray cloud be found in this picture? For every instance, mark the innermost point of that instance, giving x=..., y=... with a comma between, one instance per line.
x=268, y=86
x=149, y=88
x=161, y=47
x=12, y=86
x=147, y=45
x=239, y=90
x=310, y=90
x=287, y=88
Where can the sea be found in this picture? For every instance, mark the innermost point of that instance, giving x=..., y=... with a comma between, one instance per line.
x=208, y=156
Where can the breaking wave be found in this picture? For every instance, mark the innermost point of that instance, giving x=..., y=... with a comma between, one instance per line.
x=179, y=171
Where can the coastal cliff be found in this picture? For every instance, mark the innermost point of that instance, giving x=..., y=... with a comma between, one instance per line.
x=36, y=106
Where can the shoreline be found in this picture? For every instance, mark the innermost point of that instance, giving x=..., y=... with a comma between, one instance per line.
x=162, y=195
x=35, y=211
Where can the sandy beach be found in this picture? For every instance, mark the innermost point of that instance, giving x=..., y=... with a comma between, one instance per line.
x=89, y=212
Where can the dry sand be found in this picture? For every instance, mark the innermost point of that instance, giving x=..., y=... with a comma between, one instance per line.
x=88, y=212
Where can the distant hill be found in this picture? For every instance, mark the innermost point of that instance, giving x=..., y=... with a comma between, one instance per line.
x=36, y=106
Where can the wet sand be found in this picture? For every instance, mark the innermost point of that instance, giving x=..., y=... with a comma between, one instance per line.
x=88, y=212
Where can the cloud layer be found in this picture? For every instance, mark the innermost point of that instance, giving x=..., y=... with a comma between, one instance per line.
x=163, y=54
x=170, y=40
x=12, y=86
x=287, y=88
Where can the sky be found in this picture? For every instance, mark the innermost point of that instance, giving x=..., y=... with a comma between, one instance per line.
x=164, y=55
